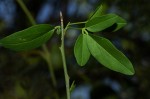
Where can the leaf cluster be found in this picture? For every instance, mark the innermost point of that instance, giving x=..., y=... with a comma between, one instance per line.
x=86, y=44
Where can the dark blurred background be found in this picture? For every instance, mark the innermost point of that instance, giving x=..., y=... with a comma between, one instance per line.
x=25, y=75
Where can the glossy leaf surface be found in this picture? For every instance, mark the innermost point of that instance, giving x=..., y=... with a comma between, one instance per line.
x=100, y=23
x=29, y=38
x=106, y=53
x=81, y=50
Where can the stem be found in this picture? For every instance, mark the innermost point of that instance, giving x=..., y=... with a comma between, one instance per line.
x=46, y=54
x=84, y=31
x=26, y=11
x=77, y=23
x=75, y=28
x=63, y=56
x=51, y=69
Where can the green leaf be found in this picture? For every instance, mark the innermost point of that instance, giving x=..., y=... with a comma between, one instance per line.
x=100, y=23
x=120, y=23
x=106, y=53
x=81, y=50
x=29, y=38
x=98, y=12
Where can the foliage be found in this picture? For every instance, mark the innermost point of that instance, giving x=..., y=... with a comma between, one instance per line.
x=86, y=45
x=29, y=38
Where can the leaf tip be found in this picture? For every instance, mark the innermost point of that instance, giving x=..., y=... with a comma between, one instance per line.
x=132, y=72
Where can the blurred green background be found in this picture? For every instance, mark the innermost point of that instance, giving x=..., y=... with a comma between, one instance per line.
x=25, y=75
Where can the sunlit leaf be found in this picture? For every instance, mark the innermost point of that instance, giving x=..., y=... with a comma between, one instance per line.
x=100, y=23
x=29, y=38
x=81, y=50
x=106, y=53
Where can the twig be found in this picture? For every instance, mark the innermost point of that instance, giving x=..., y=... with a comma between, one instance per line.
x=63, y=57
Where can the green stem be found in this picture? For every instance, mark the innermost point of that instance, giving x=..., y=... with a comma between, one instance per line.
x=51, y=69
x=46, y=55
x=75, y=28
x=76, y=23
x=26, y=11
x=84, y=31
x=63, y=56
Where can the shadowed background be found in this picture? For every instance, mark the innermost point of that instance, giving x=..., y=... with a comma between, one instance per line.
x=25, y=75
